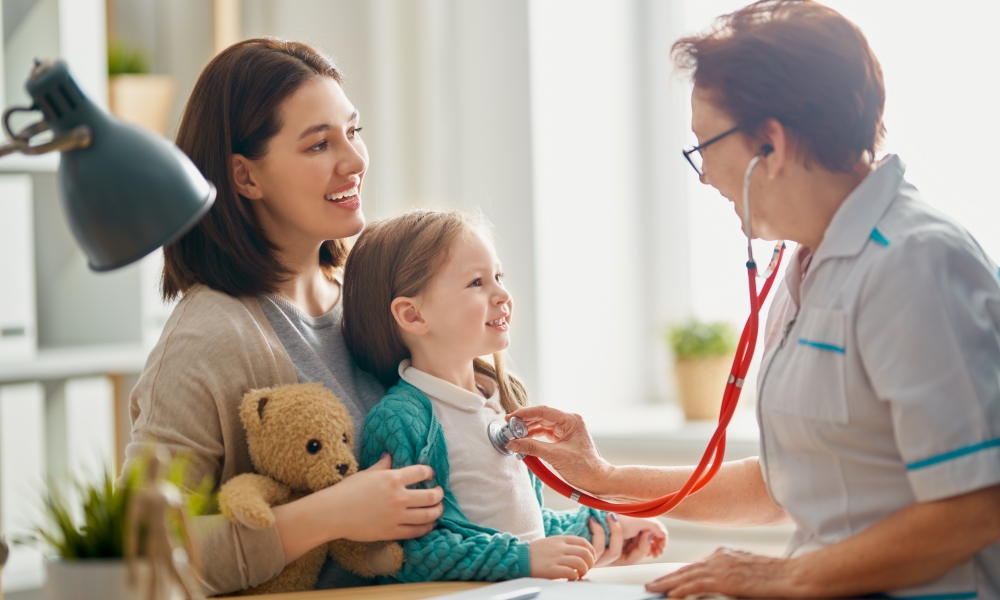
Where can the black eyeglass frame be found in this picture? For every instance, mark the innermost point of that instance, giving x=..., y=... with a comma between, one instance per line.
x=687, y=153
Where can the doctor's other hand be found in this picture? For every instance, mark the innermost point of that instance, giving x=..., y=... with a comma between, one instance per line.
x=632, y=540
x=561, y=556
x=569, y=448
x=731, y=573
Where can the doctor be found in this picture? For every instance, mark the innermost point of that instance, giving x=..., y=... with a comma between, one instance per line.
x=879, y=394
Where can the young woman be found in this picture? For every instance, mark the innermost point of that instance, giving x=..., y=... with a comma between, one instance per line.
x=425, y=299
x=270, y=126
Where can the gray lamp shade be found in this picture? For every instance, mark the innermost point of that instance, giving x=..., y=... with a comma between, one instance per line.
x=127, y=193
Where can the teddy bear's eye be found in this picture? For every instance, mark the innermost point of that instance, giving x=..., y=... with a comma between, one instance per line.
x=345, y=438
x=313, y=446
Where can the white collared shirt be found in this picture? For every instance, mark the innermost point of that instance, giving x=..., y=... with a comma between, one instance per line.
x=880, y=383
x=492, y=489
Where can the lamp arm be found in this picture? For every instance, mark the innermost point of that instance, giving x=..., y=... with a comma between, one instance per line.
x=78, y=137
x=10, y=148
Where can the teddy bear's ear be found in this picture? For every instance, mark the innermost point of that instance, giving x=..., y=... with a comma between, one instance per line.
x=252, y=411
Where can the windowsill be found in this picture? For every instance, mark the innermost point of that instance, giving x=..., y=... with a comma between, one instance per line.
x=659, y=434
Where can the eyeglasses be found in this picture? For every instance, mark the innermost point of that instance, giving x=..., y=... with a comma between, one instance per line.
x=693, y=154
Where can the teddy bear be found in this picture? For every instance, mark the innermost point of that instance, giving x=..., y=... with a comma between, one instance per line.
x=300, y=439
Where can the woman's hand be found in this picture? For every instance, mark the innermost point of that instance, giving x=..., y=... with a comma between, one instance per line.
x=632, y=540
x=570, y=451
x=561, y=556
x=732, y=573
x=383, y=508
x=371, y=505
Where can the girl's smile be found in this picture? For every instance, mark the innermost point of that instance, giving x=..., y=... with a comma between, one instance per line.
x=499, y=324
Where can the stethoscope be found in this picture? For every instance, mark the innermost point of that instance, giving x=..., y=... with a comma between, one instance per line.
x=500, y=435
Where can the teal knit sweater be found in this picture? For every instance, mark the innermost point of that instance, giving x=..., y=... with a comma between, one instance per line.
x=403, y=424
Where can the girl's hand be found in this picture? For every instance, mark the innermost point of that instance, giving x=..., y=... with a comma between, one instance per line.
x=609, y=551
x=632, y=540
x=644, y=538
x=561, y=557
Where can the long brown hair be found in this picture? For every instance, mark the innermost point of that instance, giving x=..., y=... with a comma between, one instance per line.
x=235, y=109
x=397, y=258
x=798, y=62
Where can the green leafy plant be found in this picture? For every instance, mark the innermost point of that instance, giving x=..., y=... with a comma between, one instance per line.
x=101, y=531
x=697, y=339
x=123, y=60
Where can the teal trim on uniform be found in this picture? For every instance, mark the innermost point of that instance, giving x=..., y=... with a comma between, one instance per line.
x=879, y=238
x=821, y=346
x=952, y=596
x=998, y=273
x=940, y=458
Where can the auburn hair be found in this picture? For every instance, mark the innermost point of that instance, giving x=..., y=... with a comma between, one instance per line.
x=798, y=62
x=397, y=258
x=235, y=109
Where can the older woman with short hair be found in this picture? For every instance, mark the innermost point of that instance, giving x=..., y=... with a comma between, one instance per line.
x=879, y=394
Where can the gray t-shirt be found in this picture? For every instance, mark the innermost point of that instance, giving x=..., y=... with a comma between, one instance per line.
x=318, y=352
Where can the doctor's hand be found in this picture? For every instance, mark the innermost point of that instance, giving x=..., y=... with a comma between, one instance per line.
x=569, y=448
x=632, y=540
x=561, y=556
x=732, y=573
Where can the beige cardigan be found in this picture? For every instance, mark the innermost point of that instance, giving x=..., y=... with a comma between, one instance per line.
x=214, y=348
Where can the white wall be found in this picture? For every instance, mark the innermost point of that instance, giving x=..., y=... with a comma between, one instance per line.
x=612, y=233
x=586, y=206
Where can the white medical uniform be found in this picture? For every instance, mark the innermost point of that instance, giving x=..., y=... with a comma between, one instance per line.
x=880, y=383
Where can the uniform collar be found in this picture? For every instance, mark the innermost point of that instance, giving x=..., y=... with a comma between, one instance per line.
x=854, y=221
x=439, y=389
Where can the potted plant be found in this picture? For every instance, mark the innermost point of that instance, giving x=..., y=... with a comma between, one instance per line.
x=703, y=354
x=85, y=537
x=134, y=95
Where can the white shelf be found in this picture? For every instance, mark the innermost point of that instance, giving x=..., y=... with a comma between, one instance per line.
x=17, y=163
x=83, y=361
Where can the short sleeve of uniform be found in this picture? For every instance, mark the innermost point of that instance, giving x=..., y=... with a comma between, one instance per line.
x=928, y=332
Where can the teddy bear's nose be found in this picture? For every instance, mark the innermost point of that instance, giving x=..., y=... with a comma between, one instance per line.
x=343, y=469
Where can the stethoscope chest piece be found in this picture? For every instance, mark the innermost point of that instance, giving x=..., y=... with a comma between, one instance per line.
x=501, y=435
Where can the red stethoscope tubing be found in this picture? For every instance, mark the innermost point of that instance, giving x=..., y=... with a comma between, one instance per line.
x=704, y=472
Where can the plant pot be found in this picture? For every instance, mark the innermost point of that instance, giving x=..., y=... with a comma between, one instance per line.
x=101, y=579
x=144, y=100
x=701, y=382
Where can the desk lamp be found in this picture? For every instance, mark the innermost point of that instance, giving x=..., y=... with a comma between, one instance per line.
x=125, y=191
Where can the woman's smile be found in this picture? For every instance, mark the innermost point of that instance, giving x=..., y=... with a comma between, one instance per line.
x=347, y=196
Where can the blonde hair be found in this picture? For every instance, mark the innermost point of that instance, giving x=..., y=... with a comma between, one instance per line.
x=397, y=258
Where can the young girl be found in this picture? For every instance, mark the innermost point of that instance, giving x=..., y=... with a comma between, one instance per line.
x=423, y=300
